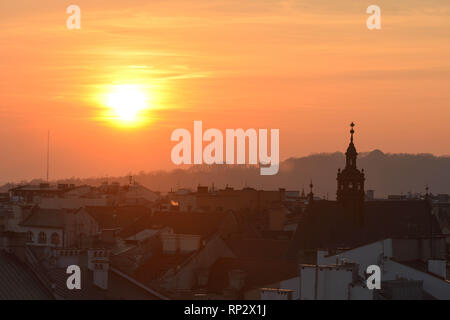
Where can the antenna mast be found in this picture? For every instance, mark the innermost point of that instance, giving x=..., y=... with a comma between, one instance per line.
x=48, y=151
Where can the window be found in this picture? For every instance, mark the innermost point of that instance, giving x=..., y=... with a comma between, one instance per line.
x=42, y=237
x=55, y=239
x=30, y=236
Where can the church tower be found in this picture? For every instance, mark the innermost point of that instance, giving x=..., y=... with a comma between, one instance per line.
x=350, y=183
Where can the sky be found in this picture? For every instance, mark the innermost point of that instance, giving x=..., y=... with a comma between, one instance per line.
x=305, y=67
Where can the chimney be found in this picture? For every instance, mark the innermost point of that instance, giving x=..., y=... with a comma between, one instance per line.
x=101, y=268
x=370, y=194
x=97, y=255
x=66, y=257
x=321, y=254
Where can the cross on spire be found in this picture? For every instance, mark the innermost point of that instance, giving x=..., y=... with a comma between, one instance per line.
x=352, y=131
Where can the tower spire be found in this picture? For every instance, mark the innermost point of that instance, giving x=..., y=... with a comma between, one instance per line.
x=48, y=153
x=352, y=131
x=311, y=194
x=351, y=153
x=350, y=182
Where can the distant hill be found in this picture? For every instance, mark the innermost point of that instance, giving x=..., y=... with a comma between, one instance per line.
x=385, y=173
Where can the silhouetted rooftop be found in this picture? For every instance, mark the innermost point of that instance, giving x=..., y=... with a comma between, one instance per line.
x=328, y=225
x=47, y=218
x=198, y=223
x=109, y=217
x=259, y=249
x=18, y=282
x=257, y=274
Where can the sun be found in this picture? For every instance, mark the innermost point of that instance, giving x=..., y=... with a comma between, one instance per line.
x=127, y=103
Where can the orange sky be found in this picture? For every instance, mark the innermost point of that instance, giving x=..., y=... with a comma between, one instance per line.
x=305, y=67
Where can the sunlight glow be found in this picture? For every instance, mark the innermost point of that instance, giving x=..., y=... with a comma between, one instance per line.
x=127, y=104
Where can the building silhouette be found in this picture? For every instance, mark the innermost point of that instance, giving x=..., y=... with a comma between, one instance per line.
x=350, y=183
x=352, y=221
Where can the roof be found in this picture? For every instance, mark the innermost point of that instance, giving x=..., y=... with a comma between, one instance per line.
x=47, y=218
x=277, y=234
x=18, y=281
x=257, y=274
x=118, y=287
x=143, y=235
x=423, y=267
x=402, y=289
x=109, y=217
x=157, y=266
x=203, y=224
x=88, y=291
x=44, y=188
x=326, y=224
x=259, y=249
